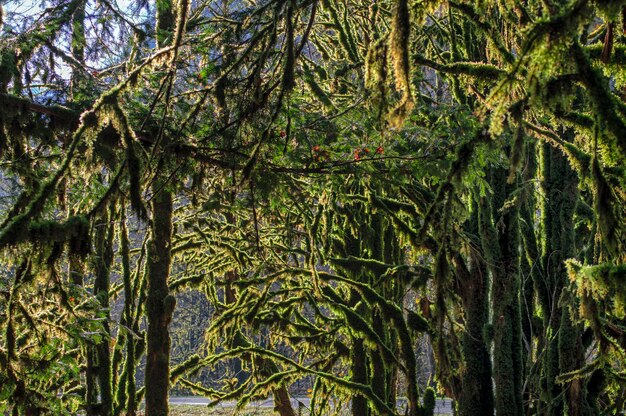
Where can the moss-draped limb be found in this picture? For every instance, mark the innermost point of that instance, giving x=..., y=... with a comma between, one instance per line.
x=356, y=388
x=74, y=232
x=477, y=70
x=88, y=120
x=604, y=102
x=360, y=326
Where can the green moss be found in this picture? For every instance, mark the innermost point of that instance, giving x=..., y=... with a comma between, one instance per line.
x=603, y=102
x=8, y=68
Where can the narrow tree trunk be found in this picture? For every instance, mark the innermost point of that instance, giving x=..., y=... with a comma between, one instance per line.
x=126, y=393
x=379, y=380
x=359, y=363
x=476, y=396
x=102, y=354
x=159, y=303
x=358, y=359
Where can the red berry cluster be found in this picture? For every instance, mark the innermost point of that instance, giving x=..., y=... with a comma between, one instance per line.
x=359, y=152
x=320, y=154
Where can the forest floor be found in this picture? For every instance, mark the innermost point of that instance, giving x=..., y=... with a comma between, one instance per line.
x=191, y=410
x=194, y=410
x=196, y=406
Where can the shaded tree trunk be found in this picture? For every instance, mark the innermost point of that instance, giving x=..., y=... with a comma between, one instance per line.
x=564, y=350
x=358, y=363
x=500, y=235
x=126, y=391
x=101, y=351
x=476, y=396
x=159, y=304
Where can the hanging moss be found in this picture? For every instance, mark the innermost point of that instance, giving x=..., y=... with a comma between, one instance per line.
x=166, y=22
x=603, y=283
x=360, y=326
x=604, y=203
x=603, y=101
x=517, y=153
x=342, y=29
x=133, y=163
x=315, y=88
x=74, y=232
x=8, y=68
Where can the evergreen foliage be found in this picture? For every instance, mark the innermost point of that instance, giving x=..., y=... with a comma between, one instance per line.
x=327, y=191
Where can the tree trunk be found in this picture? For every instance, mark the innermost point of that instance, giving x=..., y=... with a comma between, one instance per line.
x=564, y=349
x=126, y=391
x=358, y=360
x=159, y=304
x=101, y=352
x=476, y=396
x=500, y=241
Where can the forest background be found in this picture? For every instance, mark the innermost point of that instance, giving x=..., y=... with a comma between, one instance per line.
x=240, y=198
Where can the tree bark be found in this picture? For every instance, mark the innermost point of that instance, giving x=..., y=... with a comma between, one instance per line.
x=476, y=396
x=564, y=351
x=500, y=241
x=159, y=304
x=102, y=353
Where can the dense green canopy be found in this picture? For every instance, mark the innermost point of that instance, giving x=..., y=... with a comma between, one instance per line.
x=374, y=201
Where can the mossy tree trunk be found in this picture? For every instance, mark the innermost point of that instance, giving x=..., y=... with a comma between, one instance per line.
x=372, y=238
x=564, y=351
x=500, y=241
x=101, y=352
x=359, y=370
x=531, y=269
x=159, y=304
x=476, y=396
x=380, y=371
x=126, y=397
